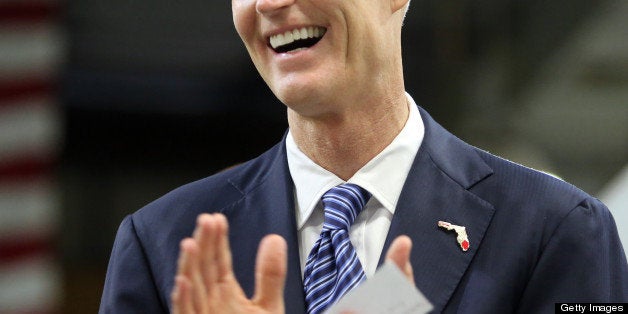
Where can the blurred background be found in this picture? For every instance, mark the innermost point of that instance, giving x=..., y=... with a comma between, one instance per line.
x=106, y=105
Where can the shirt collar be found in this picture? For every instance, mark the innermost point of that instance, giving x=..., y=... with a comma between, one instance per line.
x=383, y=176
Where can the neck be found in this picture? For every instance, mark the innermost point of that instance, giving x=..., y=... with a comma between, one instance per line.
x=342, y=142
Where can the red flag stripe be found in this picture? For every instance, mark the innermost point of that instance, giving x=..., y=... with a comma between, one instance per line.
x=26, y=168
x=11, y=90
x=28, y=11
x=15, y=249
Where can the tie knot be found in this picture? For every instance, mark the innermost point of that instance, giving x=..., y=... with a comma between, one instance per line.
x=342, y=205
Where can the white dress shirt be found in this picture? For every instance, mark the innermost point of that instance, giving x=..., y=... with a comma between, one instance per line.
x=383, y=176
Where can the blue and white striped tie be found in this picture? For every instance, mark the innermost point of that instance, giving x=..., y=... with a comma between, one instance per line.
x=333, y=268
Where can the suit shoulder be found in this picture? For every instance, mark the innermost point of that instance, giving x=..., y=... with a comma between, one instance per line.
x=210, y=194
x=535, y=184
x=524, y=193
x=527, y=199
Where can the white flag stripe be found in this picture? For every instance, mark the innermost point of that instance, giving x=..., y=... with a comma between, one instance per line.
x=31, y=126
x=35, y=285
x=28, y=209
x=30, y=48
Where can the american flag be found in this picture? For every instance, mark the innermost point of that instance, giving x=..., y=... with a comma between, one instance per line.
x=31, y=50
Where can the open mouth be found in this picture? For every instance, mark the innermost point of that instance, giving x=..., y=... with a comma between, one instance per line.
x=300, y=38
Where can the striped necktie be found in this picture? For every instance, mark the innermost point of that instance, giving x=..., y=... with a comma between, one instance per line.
x=333, y=268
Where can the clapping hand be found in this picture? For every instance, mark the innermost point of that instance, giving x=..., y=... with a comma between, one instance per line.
x=205, y=282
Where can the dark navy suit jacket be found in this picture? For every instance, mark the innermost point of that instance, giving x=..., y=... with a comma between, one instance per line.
x=534, y=240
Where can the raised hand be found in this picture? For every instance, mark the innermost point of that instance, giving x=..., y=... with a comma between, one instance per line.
x=205, y=282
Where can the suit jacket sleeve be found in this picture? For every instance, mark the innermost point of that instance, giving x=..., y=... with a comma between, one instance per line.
x=129, y=285
x=583, y=261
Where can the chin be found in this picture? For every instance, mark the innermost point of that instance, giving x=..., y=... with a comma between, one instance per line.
x=309, y=95
x=296, y=101
x=299, y=96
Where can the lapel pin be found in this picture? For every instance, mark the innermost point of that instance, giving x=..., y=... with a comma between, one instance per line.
x=463, y=239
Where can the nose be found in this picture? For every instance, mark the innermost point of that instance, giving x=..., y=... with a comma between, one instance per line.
x=268, y=6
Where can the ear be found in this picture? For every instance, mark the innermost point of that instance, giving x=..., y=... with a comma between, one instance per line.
x=396, y=5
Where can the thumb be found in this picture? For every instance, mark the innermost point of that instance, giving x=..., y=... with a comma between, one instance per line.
x=270, y=273
x=399, y=253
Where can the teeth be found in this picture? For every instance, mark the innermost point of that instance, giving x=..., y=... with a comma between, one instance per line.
x=296, y=34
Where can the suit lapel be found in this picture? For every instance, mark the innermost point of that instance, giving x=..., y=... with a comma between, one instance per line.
x=266, y=208
x=436, y=189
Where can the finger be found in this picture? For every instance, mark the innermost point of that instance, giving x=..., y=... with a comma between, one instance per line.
x=223, y=251
x=205, y=235
x=175, y=299
x=182, y=263
x=270, y=273
x=198, y=291
x=181, y=296
x=177, y=306
x=399, y=253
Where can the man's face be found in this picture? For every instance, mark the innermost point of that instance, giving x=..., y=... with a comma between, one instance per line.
x=341, y=46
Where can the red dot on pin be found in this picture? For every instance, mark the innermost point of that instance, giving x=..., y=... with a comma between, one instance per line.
x=465, y=245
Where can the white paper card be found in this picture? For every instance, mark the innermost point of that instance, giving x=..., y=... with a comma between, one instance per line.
x=388, y=291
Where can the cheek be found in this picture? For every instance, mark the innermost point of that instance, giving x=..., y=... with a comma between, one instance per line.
x=244, y=18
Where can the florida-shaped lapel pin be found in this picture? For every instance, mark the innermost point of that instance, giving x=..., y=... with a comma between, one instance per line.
x=463, y=239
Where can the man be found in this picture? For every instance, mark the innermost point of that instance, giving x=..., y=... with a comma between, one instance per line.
x=474, y=232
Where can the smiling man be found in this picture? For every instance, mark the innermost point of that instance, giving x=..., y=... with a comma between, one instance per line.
x=362, y=173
